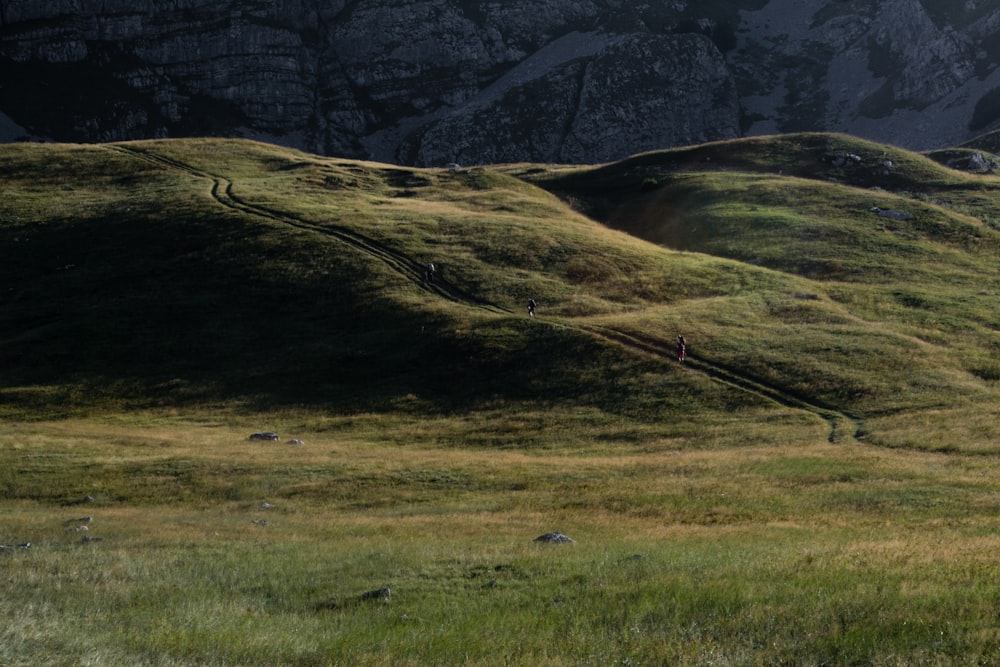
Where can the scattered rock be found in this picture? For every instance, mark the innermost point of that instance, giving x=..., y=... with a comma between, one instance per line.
x=841, y=159
x=809, y=296
x=977, y=162
x=377, y=595
x=890, y=213
x=295, y=441
x=11, y=547
x=554, y=538
x=264, y=435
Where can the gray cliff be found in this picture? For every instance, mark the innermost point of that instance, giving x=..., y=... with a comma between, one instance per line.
x=431, y=82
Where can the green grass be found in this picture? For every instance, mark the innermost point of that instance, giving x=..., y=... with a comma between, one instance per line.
x=757, y=555
x=817, y=485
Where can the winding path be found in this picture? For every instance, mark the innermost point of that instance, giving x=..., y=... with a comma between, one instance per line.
x=843, y=427
x=222, y=192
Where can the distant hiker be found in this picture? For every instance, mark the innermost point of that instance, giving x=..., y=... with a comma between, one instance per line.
x=429, y=272
x=531, y=307
x=681, y=349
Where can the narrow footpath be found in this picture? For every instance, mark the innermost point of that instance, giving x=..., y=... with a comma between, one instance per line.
x=843, y=428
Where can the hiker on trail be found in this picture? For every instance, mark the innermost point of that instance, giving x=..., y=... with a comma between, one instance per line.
x=531, y=307
x=429, y=272
x=681, y=349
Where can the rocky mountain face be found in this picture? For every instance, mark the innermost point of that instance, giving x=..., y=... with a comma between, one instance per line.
x=431, y=82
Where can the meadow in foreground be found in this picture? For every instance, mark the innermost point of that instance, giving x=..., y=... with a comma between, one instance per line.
x=204, y=548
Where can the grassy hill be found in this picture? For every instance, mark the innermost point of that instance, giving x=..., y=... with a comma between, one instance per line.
x=899, y=253
x=857, y=278
x=816, y=484
x=989, y=142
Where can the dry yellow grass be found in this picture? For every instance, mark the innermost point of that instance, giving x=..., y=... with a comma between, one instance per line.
x=820, y=548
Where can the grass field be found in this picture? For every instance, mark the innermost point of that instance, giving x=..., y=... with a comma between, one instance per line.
x=817, y=485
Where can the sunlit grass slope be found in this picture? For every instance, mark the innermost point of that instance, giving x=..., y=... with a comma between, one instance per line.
x=900, y=253
x=851, y=275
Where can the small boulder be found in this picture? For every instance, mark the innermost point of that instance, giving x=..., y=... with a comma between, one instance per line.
x=890, y=213
x=554, y=538
x=264, y=435
x=376, y=595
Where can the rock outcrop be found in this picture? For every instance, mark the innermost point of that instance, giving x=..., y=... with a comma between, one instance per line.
x=430, y=82
x=636, y=93
x=914, y=73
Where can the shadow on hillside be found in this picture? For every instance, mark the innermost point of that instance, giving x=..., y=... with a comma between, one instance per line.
x=135, y=311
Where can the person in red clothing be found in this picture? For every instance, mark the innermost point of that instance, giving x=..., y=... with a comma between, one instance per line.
x=681, y=349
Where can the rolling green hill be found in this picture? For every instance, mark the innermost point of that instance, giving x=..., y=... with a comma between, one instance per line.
x=814, y=485
x=849, y=288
